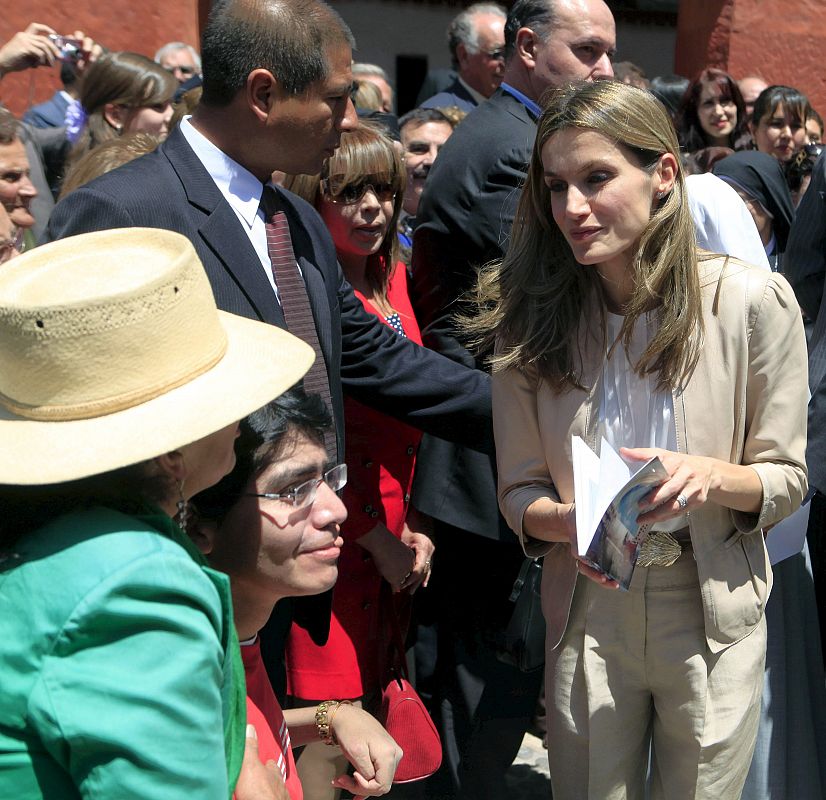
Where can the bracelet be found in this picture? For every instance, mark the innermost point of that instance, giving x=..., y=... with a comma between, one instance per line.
x=324, y=719
x=333, y=716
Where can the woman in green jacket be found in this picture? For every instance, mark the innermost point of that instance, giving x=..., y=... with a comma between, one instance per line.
x=121, y=387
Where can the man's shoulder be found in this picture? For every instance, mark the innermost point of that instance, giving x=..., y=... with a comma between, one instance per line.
x=50, y=113
x=147, y=191
x=494, y=139
x=149, y=168
x=447, y=98
x=495, y=129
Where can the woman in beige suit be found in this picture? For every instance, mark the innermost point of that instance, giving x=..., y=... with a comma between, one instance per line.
x=607, y=323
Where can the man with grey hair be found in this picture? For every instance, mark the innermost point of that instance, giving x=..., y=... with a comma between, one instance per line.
x=476, y=39
x=373, y=73
x=181, y=59
x=463, y=222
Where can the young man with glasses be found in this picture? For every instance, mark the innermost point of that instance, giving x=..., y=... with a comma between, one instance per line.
x=273, y=525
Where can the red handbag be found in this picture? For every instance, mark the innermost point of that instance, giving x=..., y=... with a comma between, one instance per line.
x=405, y=717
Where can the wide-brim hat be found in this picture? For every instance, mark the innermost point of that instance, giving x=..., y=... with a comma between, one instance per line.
x=112, y=351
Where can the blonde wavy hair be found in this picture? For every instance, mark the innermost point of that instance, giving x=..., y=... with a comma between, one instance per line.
x=532, y=304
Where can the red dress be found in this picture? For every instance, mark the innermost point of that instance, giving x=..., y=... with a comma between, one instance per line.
x=380, y=453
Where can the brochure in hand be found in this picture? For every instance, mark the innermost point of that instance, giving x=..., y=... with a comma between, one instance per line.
x=607, y=494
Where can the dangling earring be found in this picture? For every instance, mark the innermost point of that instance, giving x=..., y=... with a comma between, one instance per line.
x=182, y=514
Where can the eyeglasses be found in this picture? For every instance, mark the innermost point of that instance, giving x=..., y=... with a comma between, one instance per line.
x=497, y=54
x=304, y=494
x=188, y=71
x=352, y=193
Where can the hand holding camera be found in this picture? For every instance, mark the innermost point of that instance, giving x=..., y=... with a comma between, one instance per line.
x=39, y=45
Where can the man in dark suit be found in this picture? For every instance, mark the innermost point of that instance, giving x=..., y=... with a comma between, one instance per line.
x=477, y=49
x=273, y=101
x=464, y=220
x=804, y=264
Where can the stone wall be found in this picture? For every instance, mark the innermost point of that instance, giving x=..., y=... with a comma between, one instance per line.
x=783, y=41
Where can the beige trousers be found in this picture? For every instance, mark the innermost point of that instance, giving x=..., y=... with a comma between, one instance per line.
x=633, y=676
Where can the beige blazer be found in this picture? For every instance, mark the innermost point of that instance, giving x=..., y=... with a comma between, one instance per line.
x=745, y=403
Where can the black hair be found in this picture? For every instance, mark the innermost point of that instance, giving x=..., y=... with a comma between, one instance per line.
x=26, y=508
x=669, y=90
x=535, y=14
x=68, y=74
x=289, y=38
x=263, y=436
x=794, y=101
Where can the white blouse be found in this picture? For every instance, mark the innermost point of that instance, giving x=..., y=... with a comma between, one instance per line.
x=633, y=412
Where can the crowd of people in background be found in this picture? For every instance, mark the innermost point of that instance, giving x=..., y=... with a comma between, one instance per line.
x=550, y=244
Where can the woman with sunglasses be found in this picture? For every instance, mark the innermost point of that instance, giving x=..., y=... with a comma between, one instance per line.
x=359, y=196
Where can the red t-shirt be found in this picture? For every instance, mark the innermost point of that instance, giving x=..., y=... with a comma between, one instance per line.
x=265, y=714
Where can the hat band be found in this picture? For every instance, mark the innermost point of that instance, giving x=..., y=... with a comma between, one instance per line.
x=111, y=405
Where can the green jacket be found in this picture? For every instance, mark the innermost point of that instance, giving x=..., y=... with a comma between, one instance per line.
x=115, y=649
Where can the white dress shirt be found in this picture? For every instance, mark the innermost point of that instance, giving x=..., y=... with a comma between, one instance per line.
x=240, y=188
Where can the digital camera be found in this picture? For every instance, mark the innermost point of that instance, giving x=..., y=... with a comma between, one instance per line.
x=70, y=49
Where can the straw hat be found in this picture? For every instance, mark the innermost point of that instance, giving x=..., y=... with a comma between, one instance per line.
x=112, y=352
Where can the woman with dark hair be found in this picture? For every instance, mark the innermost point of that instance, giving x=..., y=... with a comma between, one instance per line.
x=120, y=396
x=359, y=196
x=121, y=93
x=711, y=113
x=778, y=124
x=759, y=180
x=607, y=325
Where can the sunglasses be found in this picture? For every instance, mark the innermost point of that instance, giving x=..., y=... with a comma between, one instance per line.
x=352, y=193
x=497, y=54
x=304, y=494
x=188, y=71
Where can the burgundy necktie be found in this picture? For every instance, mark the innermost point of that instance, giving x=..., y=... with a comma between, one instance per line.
x=294, y=302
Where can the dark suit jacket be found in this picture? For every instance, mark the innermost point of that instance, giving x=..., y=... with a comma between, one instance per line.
x=453, y=95
x=171, y=189
x=50, y=114
x=463, y=222
x=804, y=264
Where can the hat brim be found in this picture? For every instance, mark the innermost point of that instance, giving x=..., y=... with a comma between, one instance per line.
x=261, y=362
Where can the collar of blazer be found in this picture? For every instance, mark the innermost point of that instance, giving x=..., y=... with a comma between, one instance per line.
x=220, y=229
